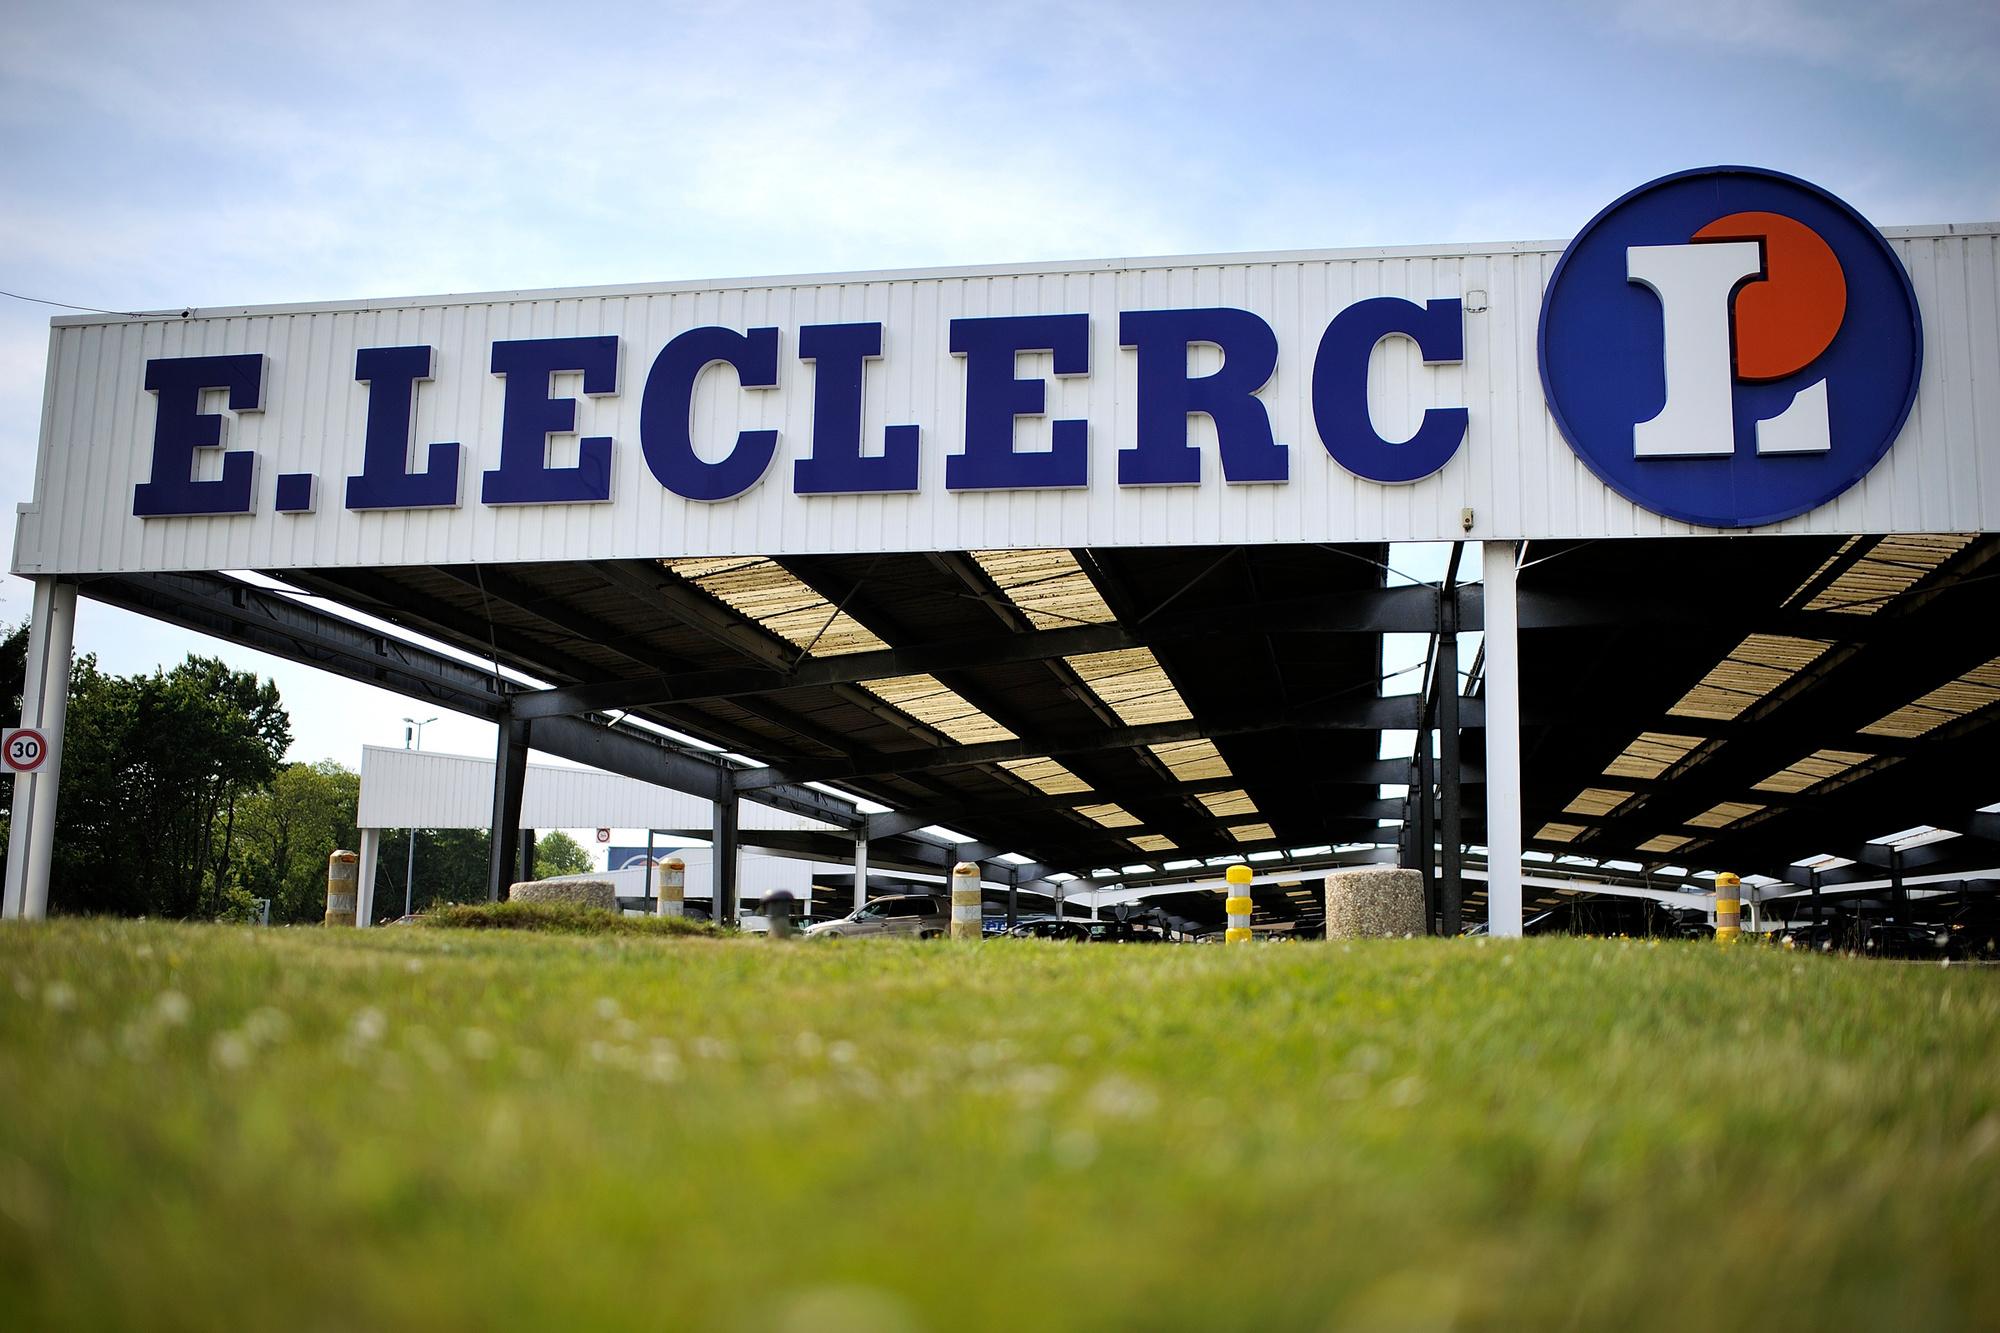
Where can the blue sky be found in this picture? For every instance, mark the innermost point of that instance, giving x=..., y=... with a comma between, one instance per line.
x=158, y=156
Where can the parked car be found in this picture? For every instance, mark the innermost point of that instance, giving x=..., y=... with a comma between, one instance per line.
x=1883, y=940
x=1824, y=937
x=1086, y=932
x=915, y=915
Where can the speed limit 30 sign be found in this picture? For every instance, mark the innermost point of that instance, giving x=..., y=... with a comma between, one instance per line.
x=23, y=749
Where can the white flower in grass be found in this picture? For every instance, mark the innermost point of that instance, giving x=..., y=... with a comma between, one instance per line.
x=267, y=1026
x=1074, y=1149
x=171, y=1008
x=1118, y=1097
x=368, y=1026
x=59, y=996
x=229, y=1051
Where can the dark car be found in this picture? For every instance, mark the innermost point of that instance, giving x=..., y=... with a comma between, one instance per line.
x=1883, y=940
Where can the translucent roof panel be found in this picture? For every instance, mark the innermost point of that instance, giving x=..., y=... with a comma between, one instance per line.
x=1045, y=774
x=1666, y=842
x=926, y=699
x=764, y=591
x=1892, y=567
x=1225, y=803
x=1048, y=585
x=1724, y=814
x=1133, y=684
x=1815, y=768
x=1153, y=842
x=1553, y=832
x=1755, y=667
x=1109, y=815
x=1253, y=833
x=1652, y=754
x=1192, y=761
x=1597, y=801
x=1976, y=689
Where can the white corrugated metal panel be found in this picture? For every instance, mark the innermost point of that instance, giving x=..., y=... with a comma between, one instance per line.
x=419, y=789
x=1514, y=471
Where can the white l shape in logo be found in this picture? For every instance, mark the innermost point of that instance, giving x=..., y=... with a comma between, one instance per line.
x=1695, y=284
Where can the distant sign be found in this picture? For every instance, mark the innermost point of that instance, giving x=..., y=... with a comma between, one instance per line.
x=604, y=835
x=24, y=748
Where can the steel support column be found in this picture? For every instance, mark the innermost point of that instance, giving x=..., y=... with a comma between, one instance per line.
x=1503, y=741
x=364, y=883
x=1451, y=773
x=722, y=869
x=45, y=707
x=1427, y=828
x=510, y=775
x=861, y=869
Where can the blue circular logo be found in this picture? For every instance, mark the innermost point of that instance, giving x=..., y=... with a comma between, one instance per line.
x=1730, y=347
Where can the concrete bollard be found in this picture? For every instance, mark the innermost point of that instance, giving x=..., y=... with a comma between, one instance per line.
x=965, y=901
x=778, y=911
x=1238, y=905
x=673, y=886
x=1728, y=908
x=343, y=884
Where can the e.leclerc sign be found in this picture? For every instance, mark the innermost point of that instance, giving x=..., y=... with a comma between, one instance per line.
x=1727, y=347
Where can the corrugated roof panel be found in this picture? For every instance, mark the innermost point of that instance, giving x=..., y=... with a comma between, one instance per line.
x=1045, y=774
x=1192, y=761
x=1225, y=803
x=1110, y=815
x=1894, y=566
x=1976, y=689
x=1048, y=585
x=1597, y=801
x=1653, y=753
x=1666, y=842
x=1133, y=685
x=1724, y=814
x=1253, y=833
x=773, y=596
x=928, y=700
x=1815, y=768
x=1755, y=667
x=1554, y=832
x=1153, y=842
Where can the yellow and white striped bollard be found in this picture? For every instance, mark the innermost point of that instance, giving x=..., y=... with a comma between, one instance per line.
x=1238, y=905
x=1728, y=908
x=343, y=883
x=673, y=886
x=965, y=923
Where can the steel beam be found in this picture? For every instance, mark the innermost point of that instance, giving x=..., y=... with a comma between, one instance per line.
x=1364, y=714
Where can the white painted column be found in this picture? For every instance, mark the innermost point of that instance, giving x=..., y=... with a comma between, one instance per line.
x=45, y=707
x=1503, y=742
x=364, y=898
x=861, y=869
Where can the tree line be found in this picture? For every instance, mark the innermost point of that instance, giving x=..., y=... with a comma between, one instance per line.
x=176, y=801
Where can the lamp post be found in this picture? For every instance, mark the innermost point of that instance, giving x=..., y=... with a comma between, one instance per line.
x=413, y=739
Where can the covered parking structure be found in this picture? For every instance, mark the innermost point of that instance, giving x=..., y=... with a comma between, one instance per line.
x=1088, y=566
x=1818, y=694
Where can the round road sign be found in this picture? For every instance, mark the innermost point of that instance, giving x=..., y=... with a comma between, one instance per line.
x=24, y=749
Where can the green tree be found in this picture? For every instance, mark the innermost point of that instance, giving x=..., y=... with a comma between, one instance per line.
x=451, y=868
x=154, y=771
x=557, y=853
x=285, y=832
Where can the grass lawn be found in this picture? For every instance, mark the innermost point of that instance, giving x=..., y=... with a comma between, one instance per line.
x=212, y=1127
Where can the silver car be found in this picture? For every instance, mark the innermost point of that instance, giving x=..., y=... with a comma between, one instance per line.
x=916, y=916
